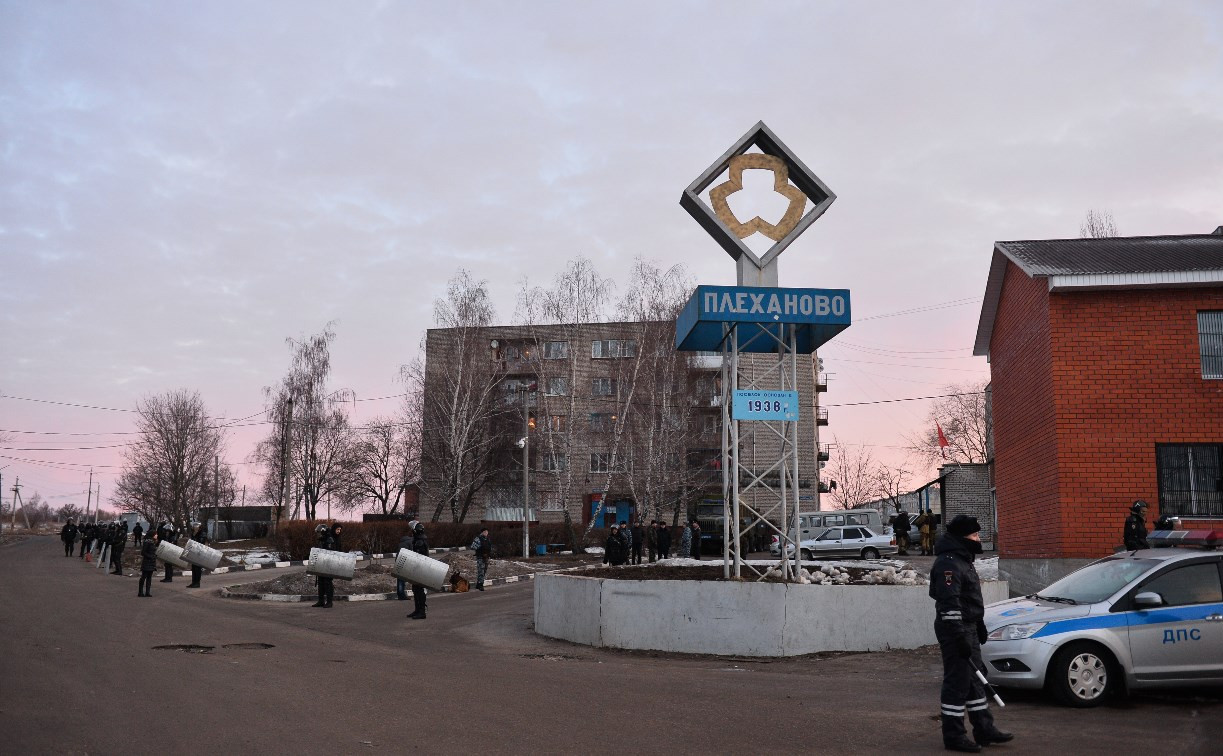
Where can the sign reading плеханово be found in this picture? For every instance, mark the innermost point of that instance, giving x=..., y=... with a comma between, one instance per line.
x=819, y=314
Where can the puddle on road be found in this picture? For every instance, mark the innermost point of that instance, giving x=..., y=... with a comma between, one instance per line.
x=189, y=648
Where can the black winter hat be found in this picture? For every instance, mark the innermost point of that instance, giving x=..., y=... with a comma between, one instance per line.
x=963, y=525
x=1138, y=506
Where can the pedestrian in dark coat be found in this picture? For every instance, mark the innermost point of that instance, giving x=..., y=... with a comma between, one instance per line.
x=68, y=534
x=664, y=540
x=483, y=548
x=137, y=534
x=651, y=541
x=118, y=542
x=900, y=526
x=199, y=536
x=959, y=626
x=420, y=544
x=636, y=542
x=615, y=550
x=148, y=565
x=1136, y=527
x=696, y=539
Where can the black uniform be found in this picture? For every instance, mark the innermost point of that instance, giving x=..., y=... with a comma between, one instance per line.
x=118, y=542
x=199, y=536
x=137, y=534
x=960, y=628
x=664, y=542
x=166, y=532
x=1136, y=532
x=68, y=535
x=615, y=549
x=901, y=526
x=420, y=544
x=636, y=542
x=86, y=539
x=329, y=538
x=148, y=564
x=401, y=585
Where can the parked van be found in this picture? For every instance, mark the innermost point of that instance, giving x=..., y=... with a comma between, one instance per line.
x=812, y=524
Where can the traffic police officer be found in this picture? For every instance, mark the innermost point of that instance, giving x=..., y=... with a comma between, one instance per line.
x=1136, y=527
x=960, y=628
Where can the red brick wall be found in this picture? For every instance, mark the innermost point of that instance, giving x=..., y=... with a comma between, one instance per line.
x=1025, y=451
x=1127, y=375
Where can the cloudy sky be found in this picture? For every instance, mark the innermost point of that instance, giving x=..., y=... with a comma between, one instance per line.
x=184, y=185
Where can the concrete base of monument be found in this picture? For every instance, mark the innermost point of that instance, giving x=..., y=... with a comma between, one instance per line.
x=736, y=618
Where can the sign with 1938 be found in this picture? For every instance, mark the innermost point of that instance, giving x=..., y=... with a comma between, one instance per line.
x=765, y=405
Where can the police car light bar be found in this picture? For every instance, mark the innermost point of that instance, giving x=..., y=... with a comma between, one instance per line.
x=1207, y=538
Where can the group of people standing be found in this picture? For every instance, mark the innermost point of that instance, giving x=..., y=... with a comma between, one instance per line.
x=109, y=540
x=626, y=542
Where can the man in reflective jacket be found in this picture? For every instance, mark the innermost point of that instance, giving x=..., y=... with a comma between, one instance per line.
x=959, y=626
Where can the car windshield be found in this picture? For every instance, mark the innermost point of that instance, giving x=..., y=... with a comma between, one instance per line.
x=1097, y=581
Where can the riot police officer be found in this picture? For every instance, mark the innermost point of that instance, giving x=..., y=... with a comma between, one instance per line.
x=1136, y=527
x=199, y=536
x=960, y=628
x=420, y=544
x=328, y=538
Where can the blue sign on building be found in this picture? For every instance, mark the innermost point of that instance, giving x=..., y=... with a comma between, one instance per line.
x=819, y=314
x=765, y=405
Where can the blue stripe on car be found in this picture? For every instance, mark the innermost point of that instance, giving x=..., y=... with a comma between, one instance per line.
x=1121, y=619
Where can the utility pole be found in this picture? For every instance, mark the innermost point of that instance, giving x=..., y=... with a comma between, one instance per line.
x=88, y=495
x=284, y=462
x=17, y=497
x=216, y=495
x=99, y=506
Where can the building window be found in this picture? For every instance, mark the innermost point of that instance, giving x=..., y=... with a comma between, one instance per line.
x=610, y=348
x=558, y=386
x=712, y=424
x=602, y=422
x=558, y=423
x=554, y=463
x=603, y=387
x=1210, y=343
x=556, y=350
x=600, y=463
x=1190, y=479
x=551, y=502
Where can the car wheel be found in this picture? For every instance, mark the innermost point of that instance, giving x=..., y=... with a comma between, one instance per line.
x=807, y=556
x=870, y=553
x=1082, y=675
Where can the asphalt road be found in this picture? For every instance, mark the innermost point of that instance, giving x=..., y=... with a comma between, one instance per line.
x=79, y=673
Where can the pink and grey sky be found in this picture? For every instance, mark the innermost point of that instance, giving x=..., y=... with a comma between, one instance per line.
x=187, y=184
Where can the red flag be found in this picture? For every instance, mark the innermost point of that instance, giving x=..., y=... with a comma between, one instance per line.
x=942, y=440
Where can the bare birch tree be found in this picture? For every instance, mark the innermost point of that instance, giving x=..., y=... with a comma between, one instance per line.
x=384, y=459
x=965, y=423
x=461, y=399
x=168, y=470
x=852, y=469
x=1099, y=224
x=316, y=419
x=577, y=297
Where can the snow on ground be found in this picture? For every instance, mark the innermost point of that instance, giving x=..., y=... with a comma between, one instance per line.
x=987, y=569
x=250, y=556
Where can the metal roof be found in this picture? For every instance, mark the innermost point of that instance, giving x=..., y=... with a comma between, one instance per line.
x=1120, y=262
x=1133, y=254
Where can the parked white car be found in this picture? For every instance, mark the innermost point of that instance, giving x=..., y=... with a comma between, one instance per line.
x=848, y=542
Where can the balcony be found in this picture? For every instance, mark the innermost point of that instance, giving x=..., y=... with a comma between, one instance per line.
x=823, y=453
x=821, y=383
x=821, y=416
x=824, y=487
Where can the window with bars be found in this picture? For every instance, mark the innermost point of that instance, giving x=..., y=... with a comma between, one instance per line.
x=1210, y=343
x=1190, y=479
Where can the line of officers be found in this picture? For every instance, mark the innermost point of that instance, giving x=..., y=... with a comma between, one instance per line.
x=109, y=540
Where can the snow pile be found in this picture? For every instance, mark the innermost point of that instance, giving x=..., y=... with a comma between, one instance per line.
x=987, y=569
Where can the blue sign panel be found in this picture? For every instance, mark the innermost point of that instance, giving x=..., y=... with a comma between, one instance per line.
x=817, y=314
x=765, y=405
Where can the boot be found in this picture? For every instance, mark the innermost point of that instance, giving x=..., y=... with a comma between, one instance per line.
x=416, y=615
x=193, y=585
x=327, y=604
x=992, y=737
x=963, y=745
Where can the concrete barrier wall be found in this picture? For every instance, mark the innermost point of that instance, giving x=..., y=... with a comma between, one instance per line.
x=740, y=619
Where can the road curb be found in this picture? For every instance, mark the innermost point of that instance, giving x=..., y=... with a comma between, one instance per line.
x=293, y=598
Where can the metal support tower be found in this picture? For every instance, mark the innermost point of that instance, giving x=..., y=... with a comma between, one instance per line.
x=759, y=485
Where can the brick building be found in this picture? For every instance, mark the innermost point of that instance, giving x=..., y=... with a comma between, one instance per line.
x=1106, y=360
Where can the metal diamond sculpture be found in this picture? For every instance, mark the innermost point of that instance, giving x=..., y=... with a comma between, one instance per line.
x=791, y=179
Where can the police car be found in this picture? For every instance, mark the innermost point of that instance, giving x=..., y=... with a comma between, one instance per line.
x=1137, y=619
